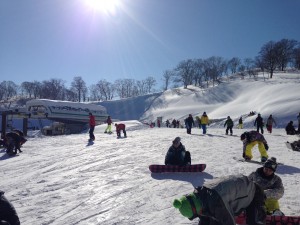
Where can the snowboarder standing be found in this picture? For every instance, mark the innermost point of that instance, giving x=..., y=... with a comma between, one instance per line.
x=270, y=122
x=240, y=123
x=189, y=123
x=272, y=185
x=8, y=213
x=204, y=122
x=259, y=123
x=177, y=155
x=109, y=123
x=92, y=124
x=120, y=127
x=229, y=124
x=250, y=139
x=219, y=200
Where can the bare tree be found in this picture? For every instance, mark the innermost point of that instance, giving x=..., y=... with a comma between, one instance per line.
x=185, y=72
x=8, y=89
x=105, y=89
x=233, y=64
x=296, y=57
x=269, y=57
x=150, y=83
x=52, y=89
x=79, y=87
x=284, y=50
x=167, y=78
x=28, y=88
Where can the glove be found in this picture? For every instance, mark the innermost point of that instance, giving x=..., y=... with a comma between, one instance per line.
x=266, y=147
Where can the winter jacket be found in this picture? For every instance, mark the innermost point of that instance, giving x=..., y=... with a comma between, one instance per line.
x=228, y=122
x=7, y=211
x=225, y=197
x=175, y=156
x=120, y=126
x=92, y=121
x=270, y=121
x=108, y=121
x=290, y=129
x=253, y=136
x=204, y=119
x=259, y=121
x=271, y=185
x=240, y=121
x=189, y=122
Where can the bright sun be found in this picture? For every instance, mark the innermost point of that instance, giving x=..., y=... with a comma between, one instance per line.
x=105, y=6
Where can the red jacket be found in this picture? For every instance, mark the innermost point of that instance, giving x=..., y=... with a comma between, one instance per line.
x=120, y=126
x=92, y=121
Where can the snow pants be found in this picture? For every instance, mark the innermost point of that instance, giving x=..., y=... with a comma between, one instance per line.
x=203, y=128
x=108, y=129
x=91, y=132
x=261, y=148
x=269, y=128
x=271, y=205
x=229, y=128
x=240, y=126
x=260, y=127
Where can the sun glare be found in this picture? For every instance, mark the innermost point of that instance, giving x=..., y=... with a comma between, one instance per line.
x=105, y=6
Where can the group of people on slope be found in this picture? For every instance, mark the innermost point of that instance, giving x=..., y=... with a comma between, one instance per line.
x=13, y=141
x=119, y=127
x=202, y=121
x=218, y=201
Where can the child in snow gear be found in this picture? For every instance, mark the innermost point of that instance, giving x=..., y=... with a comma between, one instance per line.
x=108, y=128
x=189, y=123
x=240, y=123
x=272, y=185
x=259, y=123
x=8, y=213
x=177, y=155
x=270, y=122
x=92, y=124
x=218, y=201
x=250, y=139
x=290, y=129
x=204, y=122
x=13, y=142
x=120, y=127
x=229, y=124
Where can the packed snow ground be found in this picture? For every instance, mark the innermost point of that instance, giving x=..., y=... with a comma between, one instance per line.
x=65, y=180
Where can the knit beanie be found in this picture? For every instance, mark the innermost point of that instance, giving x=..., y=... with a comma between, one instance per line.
x=271, y=164
x=184, y=206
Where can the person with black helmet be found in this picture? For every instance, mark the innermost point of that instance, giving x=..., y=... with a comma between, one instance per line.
x=259, y=123
x=250, y=139
x=272, y=185
x=189, y=123
x=177, y=155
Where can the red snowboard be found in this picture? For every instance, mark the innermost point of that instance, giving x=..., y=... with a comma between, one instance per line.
x=172, y=169
x=272, y=220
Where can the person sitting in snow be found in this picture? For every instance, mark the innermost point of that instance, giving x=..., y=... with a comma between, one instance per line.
x=250, y=139
x=204, y=120
x=272, y=185
x=120, y=127
x=177, y=155
x=296, y=145
x=290, y=129
x=218, y=201
x=229, y=124
x=108, y=128
x=8, y=213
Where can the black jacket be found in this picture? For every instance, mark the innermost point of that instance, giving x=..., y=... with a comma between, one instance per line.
x=7, y=211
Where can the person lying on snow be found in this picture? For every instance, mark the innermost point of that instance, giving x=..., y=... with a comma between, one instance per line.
x=177, y=155
x=218, y=201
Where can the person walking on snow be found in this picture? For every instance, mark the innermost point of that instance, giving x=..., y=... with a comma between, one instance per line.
x=218, y=201
x=92, y=124
x=108, y=128
x=240, y=123
x=259, y=123
x=177, y=155
x=204, y=122
x=120, y=127
x=229, y=124
x=189, y=123
x=270, y=122
x=250, y=139
x=272, y=185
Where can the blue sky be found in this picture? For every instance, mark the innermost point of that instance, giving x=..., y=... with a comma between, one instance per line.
x=44, y=39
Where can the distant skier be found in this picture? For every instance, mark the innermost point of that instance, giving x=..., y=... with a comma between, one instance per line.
x=92, y=124
x=108, y=128
x=259, y=123
x=290, y=129
x=189, y=123
x=8, y=213
x=270, y=122
x=120, y=127
x=229, y=124
x=218, y=201
x=177, y=155
x=272, y=185
x=204, y=122
x=250, y=139
x=240, y=123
